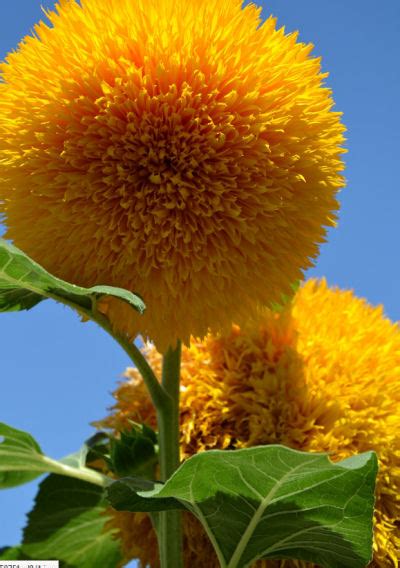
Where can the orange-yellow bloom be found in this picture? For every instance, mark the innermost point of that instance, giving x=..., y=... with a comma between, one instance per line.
x=181, y=149
x=321, y=375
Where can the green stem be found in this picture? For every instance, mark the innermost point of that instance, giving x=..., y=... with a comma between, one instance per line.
x=165, y=397
x=169, y=526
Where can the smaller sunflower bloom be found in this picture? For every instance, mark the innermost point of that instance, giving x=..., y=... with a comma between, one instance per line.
x=322, y=375
x=182, y=149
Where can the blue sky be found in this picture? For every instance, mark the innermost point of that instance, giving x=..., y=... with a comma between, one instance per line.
x=57, y=373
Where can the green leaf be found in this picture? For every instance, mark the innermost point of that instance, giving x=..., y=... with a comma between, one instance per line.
x=16, y=447
x=24, y=283
x=21, y=460
x=12, y=553
x=68, y=523
x=270, y=502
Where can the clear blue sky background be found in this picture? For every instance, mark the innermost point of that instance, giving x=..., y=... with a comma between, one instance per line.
x=57, y=373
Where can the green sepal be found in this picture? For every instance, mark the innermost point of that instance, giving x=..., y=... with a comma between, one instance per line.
x=285, y=299
x=134, y=452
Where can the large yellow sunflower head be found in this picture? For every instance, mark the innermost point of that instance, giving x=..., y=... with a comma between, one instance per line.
x=321, y=375
x=182, y=149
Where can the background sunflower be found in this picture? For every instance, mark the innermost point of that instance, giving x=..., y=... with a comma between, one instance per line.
x=322, y=375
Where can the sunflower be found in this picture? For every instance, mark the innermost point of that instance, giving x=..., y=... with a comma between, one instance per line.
x=182, y=149
x=323, y=374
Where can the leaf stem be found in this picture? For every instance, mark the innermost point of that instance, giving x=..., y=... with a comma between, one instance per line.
x=157, y=393
x=82, y=473
x=169, y=526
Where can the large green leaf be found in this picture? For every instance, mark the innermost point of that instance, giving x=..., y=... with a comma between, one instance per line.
x=21, y=460
x=68, y=523
x=24, y=283
x=270, y=502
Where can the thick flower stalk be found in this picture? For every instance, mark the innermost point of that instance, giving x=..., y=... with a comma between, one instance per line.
x=182, y=149
x=321, y=375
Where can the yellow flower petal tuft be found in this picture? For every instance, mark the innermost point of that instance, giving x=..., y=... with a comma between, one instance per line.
x=181, y=149
x=322, y=375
